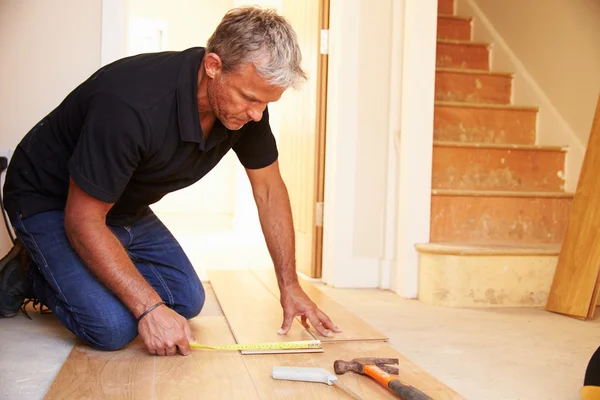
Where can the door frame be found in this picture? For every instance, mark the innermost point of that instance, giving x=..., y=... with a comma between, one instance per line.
x=320, y=138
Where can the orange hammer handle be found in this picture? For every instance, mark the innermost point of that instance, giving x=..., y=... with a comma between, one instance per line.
x=392, y=382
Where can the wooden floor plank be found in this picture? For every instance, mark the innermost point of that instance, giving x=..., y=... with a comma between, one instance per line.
x=253, y=313
x=574, y=285
x=93, y=374
x=132, y=373
x=205, y=374
x=353, y=328
x=260, y=367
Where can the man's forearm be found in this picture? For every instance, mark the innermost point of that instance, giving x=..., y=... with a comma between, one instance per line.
x=276, y=221
x=107, y=259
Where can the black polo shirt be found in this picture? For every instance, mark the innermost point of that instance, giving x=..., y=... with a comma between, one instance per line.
x=128, y=135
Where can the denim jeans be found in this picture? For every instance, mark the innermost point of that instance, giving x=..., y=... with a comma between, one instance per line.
x=63, y=283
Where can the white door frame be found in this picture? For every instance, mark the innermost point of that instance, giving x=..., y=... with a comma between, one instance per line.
x=409, y=153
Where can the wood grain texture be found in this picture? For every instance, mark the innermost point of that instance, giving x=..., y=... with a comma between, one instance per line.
x=473, y=87
x=470, y=123
x=498, y=219
x=94, y=374
x=260, y=366
x=450, y=27
x=354, y=328
x=574, y=285
x=134, y=374
x=446, y=7
x=509, y=168
x=205, y=374
x=454, y=54
x=253, y=313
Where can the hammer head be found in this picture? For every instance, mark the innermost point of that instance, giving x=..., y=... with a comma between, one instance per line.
x=358, y=365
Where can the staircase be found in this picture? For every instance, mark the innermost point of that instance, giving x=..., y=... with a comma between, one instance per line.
x=498, y=208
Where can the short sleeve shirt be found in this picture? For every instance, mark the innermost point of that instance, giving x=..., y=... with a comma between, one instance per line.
x=128, y=135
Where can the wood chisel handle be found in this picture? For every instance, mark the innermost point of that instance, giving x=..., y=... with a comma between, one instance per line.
x=392, y=382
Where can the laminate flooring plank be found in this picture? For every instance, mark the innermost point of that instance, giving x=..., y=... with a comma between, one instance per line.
x=205, y=374
x=353, y=327
x=574, y=285
x=253, y=313
x=94, y=374
x=260, y=367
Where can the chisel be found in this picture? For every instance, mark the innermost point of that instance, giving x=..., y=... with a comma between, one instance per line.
x=306, y=374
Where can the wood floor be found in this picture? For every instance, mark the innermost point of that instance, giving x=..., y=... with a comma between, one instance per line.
x=252, y=314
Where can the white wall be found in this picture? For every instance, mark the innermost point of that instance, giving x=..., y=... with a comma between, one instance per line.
x=553, y=46
x=210, y=203
x=48, y=48
x=356, y=143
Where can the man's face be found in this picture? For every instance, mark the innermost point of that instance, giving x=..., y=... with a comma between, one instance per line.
x=239, y=96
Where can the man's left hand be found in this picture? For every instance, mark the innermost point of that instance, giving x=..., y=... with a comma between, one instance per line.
x=295, y=302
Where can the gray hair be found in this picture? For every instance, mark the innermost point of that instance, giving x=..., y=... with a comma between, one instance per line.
x=261, y=36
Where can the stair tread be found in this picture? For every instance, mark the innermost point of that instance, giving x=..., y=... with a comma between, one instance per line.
x=442, y=143
x=484, y=105
x=455, y=17
x=467, y=71
x=465, y=42
x=499, y=193
x=505, y=249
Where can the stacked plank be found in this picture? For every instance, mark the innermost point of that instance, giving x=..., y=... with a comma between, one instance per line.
x=576, y=282
x=253, y=314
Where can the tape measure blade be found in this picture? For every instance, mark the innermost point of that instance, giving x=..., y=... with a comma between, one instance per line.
x=281, y=351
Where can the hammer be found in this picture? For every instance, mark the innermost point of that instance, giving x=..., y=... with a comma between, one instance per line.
x=377, y=369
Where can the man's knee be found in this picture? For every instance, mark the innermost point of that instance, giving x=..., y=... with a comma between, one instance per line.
x=193, y=301
x=111, y=331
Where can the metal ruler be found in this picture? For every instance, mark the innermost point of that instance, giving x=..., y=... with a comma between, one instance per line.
x=274, y=346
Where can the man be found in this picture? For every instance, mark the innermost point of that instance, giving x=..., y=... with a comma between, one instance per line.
x=79, y=184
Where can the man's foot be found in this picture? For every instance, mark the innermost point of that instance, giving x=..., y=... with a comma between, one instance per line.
x=14, y=280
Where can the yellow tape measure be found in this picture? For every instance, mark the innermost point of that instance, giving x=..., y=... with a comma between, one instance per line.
x=303, y=344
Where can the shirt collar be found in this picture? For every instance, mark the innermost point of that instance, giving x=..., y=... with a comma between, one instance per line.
x=187, y=103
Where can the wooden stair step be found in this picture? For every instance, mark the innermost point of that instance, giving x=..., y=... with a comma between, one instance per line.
x=490, y=249
x=484, y=123
x=462, y=54
x=487, y=216
x=453, y=27
x=473, y=86
x=446, y=7
x=479, y=275
x=471, y=166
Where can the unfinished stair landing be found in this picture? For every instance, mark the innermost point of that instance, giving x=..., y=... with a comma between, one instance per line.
x=499, y=211
x=252, y=313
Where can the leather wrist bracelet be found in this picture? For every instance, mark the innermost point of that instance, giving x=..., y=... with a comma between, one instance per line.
x=160, y=303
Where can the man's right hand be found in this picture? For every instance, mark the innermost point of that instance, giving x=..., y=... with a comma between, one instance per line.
x=164, y=331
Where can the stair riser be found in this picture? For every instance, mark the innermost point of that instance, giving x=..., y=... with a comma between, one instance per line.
x=450, y=55
x=455, y=29
x=485, y=281
x=484, y=125
x=483, y=219
x=473, y=88
x=446, y=7
x=498, y=169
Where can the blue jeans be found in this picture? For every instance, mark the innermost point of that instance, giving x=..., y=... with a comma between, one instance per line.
x=63, y=283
